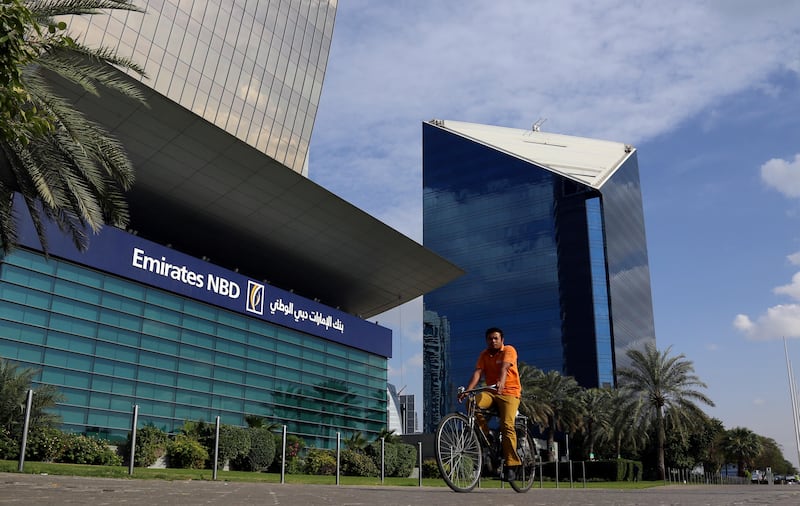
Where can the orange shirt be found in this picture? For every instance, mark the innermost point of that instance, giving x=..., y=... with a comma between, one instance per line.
x=492, y=365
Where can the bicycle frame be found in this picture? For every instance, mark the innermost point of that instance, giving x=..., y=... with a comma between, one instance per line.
x=464, y=452
x=494, y=448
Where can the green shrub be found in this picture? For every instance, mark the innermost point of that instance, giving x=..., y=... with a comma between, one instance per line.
x=320, y=462
x=9, y=447
x=613, y=470
x=356, y=463
x=294, y=447
x=234, y=442
x=430, y=469
x=44, y=444
x=82, y=449
x=186, y=453
x=151, y=444
x=297, y=465
x=399, y=459
x=261, y=453
x=406, y=460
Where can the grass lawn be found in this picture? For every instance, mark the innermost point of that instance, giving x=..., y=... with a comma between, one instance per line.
x=11, y=466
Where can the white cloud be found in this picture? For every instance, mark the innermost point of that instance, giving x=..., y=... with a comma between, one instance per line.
x=778, y=322
x=783, y=175
x=794, y=258
x=396, y=64
x=792, y=289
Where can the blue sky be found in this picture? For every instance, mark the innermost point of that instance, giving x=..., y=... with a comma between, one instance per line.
x=708, y=93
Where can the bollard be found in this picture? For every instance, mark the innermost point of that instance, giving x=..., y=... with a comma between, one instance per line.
x=570, y=474
x=419, y=459
x=338, y=454
x=583, y=467
x=283, y=455
x=26, y=424
x=216, y=450
x=133, y=438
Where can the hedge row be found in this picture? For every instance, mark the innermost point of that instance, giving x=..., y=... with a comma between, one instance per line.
x=596, y=470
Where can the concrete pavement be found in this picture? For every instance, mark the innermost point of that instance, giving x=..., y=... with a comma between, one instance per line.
x=25, y=489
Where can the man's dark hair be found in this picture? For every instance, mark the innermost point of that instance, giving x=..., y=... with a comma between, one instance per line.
x=492, y=330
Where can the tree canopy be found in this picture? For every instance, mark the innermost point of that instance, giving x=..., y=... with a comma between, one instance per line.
x=66, y=168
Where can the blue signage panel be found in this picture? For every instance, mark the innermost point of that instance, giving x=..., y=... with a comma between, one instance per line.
x=118, y=252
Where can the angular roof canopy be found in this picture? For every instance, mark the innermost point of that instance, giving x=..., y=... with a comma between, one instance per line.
x=204, y=192
x=589, y=161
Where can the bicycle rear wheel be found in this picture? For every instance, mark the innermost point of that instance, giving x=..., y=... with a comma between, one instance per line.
x=458, y=453
x=525, y=473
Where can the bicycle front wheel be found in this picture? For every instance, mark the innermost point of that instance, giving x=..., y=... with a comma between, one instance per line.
x=458, y=453
x=525, y=473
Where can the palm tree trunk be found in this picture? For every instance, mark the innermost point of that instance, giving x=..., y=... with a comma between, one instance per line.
x=662, y=437
x=551, y=437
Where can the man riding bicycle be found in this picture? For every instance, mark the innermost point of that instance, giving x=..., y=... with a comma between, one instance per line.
x=498, y=365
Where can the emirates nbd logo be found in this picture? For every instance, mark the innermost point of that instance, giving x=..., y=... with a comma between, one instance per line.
x=255, y=297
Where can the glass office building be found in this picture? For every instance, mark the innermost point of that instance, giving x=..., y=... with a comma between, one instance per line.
x=134, y=323
x=254, y=69
x=435, y=349
x=550, y=231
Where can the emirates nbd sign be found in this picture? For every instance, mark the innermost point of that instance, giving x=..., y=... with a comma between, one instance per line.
x=183, y=274
x=117, y=252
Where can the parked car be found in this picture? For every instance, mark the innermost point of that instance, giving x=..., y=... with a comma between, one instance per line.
x=757, y=476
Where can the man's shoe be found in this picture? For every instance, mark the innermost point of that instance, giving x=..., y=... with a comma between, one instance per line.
x=509, y=474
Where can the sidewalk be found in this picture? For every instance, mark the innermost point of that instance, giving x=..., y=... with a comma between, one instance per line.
x=25, y=489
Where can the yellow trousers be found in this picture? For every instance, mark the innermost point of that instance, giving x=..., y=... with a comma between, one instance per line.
x=507, y=406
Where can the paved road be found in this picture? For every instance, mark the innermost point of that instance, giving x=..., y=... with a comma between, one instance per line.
x=24, y=489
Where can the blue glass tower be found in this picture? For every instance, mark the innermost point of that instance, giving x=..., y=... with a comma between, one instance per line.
x=550, y=231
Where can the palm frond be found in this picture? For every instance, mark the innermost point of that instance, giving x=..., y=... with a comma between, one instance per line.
x=45, y=10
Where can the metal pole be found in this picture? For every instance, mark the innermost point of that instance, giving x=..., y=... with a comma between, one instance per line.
x=570, y=473
x=419, y=459
x=383, y=458
x=25, y=426
x=793, y=396
x=133, y=437
x=338, y=454
x=283, y=455
x=216, y=450
x=583, y=466
x=557, y=466
x=541, y=470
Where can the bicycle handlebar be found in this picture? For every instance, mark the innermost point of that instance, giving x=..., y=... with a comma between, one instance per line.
x=463, y=391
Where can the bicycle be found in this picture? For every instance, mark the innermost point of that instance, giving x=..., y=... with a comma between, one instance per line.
x=464, y=451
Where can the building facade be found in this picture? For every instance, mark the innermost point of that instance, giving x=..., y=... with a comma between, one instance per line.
x=394, y=411
x=241, y=287
x=408, y=411
x=254, y=69
x=436, y=380
x=131, y=322
x=550, y=231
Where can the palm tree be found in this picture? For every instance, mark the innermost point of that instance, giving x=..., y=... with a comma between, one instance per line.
x=66, y=168
x=554, y=402
x=626, y=424
x=14, y=385
x=356, y=441
x=667, y=387
x=388, y=436
x=743, y=445
x=531, y=404
x=597, y=416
